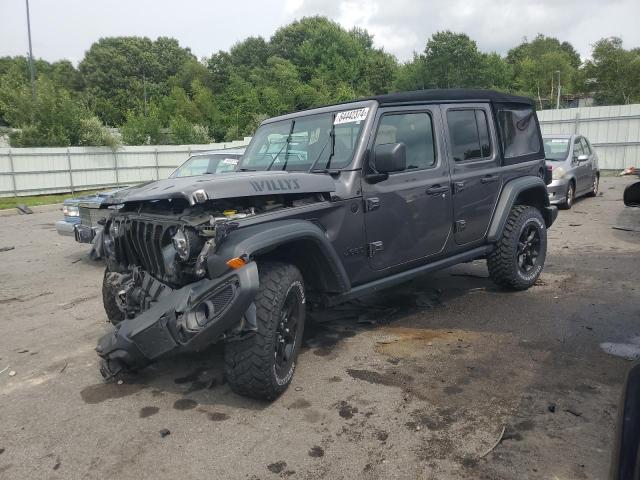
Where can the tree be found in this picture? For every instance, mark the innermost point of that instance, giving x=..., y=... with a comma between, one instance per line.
x=52, y=120
x=535, y=66
x=452, y=60
x=141, y=129
x=185, y=133
x=122, y=73
x=614, y=72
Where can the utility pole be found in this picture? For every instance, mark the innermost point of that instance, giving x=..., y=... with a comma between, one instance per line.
x=144, y=86
x=31, y=70
x=559, y=88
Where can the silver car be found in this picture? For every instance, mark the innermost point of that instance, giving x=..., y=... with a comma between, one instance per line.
x=574, y=165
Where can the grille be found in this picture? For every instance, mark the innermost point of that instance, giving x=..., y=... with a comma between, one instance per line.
x=90, y=216
x=141, y=243
x=222, y=298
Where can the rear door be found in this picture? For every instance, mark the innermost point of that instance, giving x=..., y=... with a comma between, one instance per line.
x=582, y=170
x=408, y=215
x=589, y=164
x=475, y=169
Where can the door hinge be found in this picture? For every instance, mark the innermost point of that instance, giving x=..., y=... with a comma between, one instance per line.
x=458, y=187
x=375, y=247
x=372, y=203
x=460, y=225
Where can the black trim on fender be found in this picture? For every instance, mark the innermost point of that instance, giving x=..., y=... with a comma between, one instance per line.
x=510, y=193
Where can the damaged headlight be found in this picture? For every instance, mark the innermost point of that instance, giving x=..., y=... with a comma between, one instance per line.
x=187, y=244
x=70, y=211
x=180, y=244
x=557, y=173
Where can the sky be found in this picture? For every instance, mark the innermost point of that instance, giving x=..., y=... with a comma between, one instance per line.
x=67, y=28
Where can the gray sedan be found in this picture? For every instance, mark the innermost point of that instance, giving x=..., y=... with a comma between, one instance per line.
x=574, y=166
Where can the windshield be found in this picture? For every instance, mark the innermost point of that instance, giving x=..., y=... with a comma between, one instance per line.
x=322, y=141
x=556, y=149
x=207, y=164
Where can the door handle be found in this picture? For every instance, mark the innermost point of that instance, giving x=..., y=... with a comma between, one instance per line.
x=437, y=190
x=489, y=179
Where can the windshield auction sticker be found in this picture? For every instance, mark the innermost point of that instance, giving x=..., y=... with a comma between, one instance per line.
x=351, y=116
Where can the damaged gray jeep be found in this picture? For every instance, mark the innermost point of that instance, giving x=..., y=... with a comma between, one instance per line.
x=326, y=205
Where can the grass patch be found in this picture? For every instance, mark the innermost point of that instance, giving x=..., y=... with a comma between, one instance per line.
x=33, y=200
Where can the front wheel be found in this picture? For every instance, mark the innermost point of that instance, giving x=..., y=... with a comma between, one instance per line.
x=262, y=365
x=114, y=314
x=518, y=258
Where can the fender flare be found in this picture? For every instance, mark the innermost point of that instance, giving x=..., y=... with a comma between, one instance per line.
x=535, y=191
x=259, y=239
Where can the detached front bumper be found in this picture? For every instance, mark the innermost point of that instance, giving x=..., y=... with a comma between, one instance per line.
x=65, y=228
x=186, y=319
x=557, y=191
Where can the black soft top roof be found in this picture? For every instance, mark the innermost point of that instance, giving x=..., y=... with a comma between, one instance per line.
x=450, y=95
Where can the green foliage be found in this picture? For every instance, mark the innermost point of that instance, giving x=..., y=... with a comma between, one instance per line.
x=141, y=129
x=52, y=120
x=94, y=134
x=536, y=66
x=118, y=73
x=614, y=72
x=185, y=133
x=156, y=91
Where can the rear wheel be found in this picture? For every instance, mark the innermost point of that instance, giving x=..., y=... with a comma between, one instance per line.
x=114, y=314
x=262, y=365
x=518, y=258
x=595, y=186
x=569, y=197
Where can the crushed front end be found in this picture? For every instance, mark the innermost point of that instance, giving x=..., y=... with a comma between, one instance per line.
x=157, y=256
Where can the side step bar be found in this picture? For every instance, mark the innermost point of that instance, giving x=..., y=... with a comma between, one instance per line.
x=402, y=277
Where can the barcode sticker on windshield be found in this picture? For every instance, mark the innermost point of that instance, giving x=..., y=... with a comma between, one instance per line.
x=351, y=116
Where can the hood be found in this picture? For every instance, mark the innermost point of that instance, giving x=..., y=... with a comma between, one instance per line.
x=227, y=185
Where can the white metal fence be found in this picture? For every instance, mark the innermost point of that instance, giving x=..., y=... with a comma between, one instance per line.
x=34, y=171
x=614, y=131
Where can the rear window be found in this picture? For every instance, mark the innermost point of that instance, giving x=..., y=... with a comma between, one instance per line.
x=518, y=132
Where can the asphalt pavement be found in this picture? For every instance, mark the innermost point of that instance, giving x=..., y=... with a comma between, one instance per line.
x=446, y=377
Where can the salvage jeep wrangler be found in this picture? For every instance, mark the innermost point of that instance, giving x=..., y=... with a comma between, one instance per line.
x=326, y=205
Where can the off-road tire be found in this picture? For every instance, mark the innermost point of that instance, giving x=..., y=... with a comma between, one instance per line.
x=250, y=363
x=114, y=314
x=595, y=187
x=503, y=264
x=569, y=197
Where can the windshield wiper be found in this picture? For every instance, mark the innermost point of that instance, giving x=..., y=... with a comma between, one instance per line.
x=286, y=144
x=330, y=139
x=247, y=170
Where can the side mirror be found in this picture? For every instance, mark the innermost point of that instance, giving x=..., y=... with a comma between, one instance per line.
x=390, y=157
x=583, y=158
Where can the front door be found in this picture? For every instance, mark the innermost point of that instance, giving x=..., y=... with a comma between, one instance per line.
x=475, y=169
x=408, y=215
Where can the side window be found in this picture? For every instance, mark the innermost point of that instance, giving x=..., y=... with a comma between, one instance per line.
x=577, y=148
x=586, y=149
x=518, y=132
x=469, y=133
x=415, y=130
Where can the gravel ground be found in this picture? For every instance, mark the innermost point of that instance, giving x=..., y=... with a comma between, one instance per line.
x=419, y=382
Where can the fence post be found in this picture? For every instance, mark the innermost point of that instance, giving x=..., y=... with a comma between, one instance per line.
x=13, y=175
x=577, y=123
x=69, y=169
x=115, y=166
x=157, y=166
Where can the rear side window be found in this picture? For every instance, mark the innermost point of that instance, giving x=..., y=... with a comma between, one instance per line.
x=415, y=131
x=469, y=134
x=518, y=132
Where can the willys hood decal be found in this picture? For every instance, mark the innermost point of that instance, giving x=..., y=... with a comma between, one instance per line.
x=226, y=185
